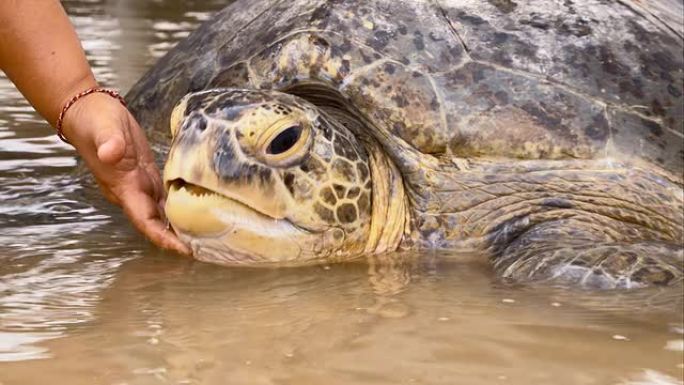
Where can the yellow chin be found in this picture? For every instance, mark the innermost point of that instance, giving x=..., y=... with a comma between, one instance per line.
x=223, y=230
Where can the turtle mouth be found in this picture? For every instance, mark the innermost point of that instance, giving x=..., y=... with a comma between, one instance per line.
x=222, y=229
x=198, y=210
x=195, y=190
x=192, y=189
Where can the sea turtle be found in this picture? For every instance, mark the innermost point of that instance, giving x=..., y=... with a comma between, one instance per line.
x=546, y=135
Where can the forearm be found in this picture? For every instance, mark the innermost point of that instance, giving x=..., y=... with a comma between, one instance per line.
x=41, y=54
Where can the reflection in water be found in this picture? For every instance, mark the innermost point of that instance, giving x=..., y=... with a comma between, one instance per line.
x=651, y=377
x=79, y=304
x=21, y=346
x=165, y=320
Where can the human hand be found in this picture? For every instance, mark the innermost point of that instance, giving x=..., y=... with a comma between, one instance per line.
x=115, y=149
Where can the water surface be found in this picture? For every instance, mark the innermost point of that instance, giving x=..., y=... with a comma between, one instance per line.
x=85, y=300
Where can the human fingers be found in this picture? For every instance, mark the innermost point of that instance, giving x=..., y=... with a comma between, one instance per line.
x=143, y=212
x=145, y=158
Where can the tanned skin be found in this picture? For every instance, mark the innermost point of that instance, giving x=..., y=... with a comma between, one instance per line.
x=41, y=54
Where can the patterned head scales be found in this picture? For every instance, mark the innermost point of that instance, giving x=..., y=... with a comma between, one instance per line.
x=262, y=176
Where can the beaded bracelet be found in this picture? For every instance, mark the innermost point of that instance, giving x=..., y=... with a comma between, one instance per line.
x=78, y=96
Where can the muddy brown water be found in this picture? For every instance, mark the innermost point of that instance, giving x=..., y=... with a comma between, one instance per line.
x=85, y=300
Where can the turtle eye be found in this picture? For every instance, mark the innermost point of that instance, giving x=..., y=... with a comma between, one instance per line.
x=285, y=140
x=282, y=147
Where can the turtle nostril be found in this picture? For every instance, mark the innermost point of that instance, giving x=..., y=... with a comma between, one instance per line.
x=284, y=140
x=201, y=123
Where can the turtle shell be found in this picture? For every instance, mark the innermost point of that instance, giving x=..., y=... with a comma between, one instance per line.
x=454, y=79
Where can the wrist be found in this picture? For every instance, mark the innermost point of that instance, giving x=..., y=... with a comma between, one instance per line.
x=74, y=86
x=79, y=112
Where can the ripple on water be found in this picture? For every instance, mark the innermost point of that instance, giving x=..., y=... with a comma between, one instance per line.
x=58, y=256
x=61, y=244
x=651, y=377
x=22, y=346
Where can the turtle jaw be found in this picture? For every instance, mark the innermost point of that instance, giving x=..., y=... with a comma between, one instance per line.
x=191, y=208
x=223, y=230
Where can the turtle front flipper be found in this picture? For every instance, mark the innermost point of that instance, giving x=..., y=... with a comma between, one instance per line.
x=559, y=252
x=594, y=224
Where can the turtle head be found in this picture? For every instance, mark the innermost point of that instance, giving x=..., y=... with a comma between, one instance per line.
x=258, y=177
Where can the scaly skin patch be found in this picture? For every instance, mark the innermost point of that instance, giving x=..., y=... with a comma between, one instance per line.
x=315, y=194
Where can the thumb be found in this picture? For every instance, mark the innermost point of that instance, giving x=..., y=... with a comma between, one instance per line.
x=110, y=145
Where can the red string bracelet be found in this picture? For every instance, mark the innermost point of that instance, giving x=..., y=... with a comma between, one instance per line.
x=78, y=96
